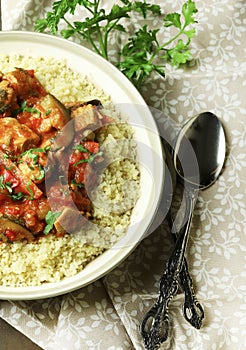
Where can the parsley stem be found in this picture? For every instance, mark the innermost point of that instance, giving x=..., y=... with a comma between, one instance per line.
x=167, y=43
x=84, y=35
x=102, y=42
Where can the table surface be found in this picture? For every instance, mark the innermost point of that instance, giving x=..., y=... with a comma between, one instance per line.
x=11, y=339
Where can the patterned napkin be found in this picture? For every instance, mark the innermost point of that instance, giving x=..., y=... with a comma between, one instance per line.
x=107, y=313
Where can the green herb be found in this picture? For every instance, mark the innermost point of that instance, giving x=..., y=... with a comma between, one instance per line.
x=92, y=156
x=32, y=153
x=17, y=196
x=48, y=112
x=140, y=53
x=79, y=185
x=143, y=50
x=6, y=156
x=30, y=109
x=2, y=186
x=90, y=159
x=7, y=186
x=81, y=148
x=23, y=108
x=50, y=219
x=42, y=173
x=30, y=190
x=9, y=168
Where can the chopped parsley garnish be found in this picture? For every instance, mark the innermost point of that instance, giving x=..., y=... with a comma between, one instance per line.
x=30, y=190
x=81, y=148
x=7, y=186
x=29, y=109
x=92, y=156
x=50, y=219
x=79, y=185
x=90, y=159
x=17, y=196
x=31, y=153
x=23, y=108
x=48, y=112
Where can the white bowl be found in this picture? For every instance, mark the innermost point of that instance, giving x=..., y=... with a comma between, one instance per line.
x=129, y=102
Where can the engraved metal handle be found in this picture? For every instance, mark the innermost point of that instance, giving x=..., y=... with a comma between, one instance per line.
x=155, y=325
x=192, y=309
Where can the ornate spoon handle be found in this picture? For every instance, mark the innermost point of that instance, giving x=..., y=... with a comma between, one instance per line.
x=192, y=309
x=155, y=325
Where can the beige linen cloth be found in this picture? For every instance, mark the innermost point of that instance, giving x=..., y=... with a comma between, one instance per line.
x=106, y=315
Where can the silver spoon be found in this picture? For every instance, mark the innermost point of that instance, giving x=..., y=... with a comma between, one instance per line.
x=199, y=156
x=192, y=309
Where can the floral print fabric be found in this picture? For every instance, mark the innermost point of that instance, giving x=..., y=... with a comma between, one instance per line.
x=107, y=313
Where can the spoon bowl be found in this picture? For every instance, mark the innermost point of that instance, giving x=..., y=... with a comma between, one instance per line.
x=200, y=149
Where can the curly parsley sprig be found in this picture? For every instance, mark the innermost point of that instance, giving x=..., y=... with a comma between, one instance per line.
x=139, y=54
x=141, y=51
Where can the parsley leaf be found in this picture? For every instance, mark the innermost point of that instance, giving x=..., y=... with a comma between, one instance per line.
x=50, y=219
x=88, y=160
x=7, y=186
x=32, y=153
x=81, y=148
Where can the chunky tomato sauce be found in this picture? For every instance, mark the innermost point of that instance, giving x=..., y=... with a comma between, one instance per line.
x=33, y=150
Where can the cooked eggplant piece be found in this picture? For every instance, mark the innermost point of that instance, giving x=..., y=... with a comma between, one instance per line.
x=12, y=231
x=15, y=137
x=74, y=105
x=86, y=117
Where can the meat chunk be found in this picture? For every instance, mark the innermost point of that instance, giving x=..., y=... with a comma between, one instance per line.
x=53, y=112
x=8, y=99
x=30, y=166
x=48, y=116
x=15, y=137
x=25, y=84
x=16, y=180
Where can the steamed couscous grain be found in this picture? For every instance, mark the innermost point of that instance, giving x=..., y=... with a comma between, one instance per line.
x=52, y=258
